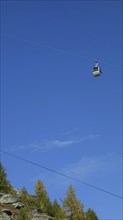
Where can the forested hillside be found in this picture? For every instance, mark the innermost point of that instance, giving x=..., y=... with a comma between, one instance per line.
x=20, y=205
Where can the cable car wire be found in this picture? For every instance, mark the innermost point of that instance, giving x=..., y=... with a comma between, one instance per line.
x=61, y=174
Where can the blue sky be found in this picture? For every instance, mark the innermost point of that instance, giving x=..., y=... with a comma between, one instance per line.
x=54, y=112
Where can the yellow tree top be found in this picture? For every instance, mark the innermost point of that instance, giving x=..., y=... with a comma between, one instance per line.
x=39, y=186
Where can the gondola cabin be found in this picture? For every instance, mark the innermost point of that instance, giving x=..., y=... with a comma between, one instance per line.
x=96, y=71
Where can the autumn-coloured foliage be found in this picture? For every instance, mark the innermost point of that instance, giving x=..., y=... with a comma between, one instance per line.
x=70, y=208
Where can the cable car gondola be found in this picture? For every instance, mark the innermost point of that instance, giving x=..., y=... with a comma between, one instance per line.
x=96, y=71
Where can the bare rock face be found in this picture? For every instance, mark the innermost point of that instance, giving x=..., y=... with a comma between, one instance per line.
x=9, y=199
x=37, y=216
x=10, y=205
x=7, y=211
x=4, y=216
x=18, y=205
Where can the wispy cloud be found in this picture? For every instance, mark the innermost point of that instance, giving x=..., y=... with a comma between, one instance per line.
x=91, y=166
x=88, y=167
x=57, y=143
x=47, y=145
x=70, y=131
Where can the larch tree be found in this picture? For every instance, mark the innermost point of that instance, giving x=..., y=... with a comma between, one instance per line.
x=27, y=199
x=58, y=211
x=74, y=208
x=42, y=199
x=5, y=186
x=91, y=215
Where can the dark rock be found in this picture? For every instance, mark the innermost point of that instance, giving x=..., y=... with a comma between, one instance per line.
x=7, y=211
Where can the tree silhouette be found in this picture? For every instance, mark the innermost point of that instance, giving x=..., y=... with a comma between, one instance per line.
x=91, y=215
x=73, y=206
x=42, y=199
x=5, y=186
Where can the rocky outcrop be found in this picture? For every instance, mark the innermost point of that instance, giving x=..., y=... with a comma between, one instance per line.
x=18, y=205
x=8, y=215
x=7, y=211
x=10, y=205
x=9, y=199
x=4, y=216
x=37, y=216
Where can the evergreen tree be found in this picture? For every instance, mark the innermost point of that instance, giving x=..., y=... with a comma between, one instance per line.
x=58, y=212
x=27, y=199
x=39, y=187
x=5, y=186
x=23, y=214
x=73, y=206
x=91, y=215
x=42, y=199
